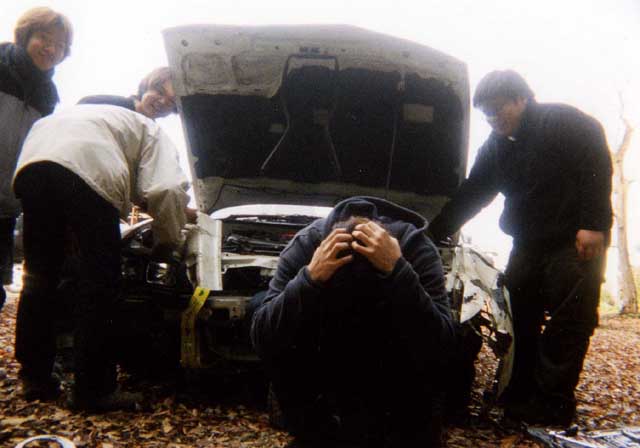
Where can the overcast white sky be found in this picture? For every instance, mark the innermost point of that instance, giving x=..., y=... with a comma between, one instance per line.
x=581, y=52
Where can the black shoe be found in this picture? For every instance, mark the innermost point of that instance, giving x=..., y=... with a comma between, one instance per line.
x=120, y=401
x=115, y=401
x=543, y=411
x=43, y=389
x=511, y=397
x=3, y=296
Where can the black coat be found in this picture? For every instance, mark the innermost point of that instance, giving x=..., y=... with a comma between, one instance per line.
x=555, y=175
x=405, y=314
x=20, y=78
x=26, y=94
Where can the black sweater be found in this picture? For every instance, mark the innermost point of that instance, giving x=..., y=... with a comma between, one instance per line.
x=555, y=175
x=19, y=77
x=409, y=307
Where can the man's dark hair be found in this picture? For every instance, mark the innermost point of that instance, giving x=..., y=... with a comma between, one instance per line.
x=351, y=222
x=505, y=83
x=360, y=269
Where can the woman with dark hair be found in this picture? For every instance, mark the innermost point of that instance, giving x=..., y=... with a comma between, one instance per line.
x=42, y=39
x=155, y=97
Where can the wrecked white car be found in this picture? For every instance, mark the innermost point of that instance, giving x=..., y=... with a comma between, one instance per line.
x=281, y=124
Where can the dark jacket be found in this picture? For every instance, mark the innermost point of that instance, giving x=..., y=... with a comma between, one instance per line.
x=26, y=94
x=358, y=314
x=20, y=78
x=555, y=175
x=114, y=100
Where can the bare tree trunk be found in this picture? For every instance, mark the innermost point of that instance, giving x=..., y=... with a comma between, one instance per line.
x=627, y=286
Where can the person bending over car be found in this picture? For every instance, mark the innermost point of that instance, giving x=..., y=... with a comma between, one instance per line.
x=79, y=171
x=552, y=164
x=355, y=329
x=43, y=40
x=155, y=98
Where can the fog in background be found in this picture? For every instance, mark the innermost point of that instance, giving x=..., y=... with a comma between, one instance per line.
x=582, y=52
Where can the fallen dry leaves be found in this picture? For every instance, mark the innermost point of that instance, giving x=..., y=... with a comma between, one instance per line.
x=608, y=395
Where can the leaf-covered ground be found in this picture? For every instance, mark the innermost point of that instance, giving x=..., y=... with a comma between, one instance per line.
x=608, y=395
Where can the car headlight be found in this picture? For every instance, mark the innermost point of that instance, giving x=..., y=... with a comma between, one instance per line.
x=160, y=274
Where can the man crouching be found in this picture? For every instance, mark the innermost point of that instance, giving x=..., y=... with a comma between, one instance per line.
x=355, y=329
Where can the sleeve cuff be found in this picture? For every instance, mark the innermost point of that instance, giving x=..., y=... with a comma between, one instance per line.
x=306, y=278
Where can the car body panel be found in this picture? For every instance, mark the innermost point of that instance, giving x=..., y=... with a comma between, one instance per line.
x=484, y=292
x=204, y=252
x=245, y=81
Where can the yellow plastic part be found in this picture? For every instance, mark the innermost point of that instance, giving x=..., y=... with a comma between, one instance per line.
x=189, y=342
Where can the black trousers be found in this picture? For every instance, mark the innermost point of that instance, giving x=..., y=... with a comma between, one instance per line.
x=554, y=298
x=381, y=401
x=59, y=205
x=7, y=226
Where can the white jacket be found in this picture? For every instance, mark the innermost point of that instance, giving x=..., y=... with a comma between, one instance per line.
x=123, y=156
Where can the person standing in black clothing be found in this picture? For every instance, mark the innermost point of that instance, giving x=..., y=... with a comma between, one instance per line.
x=552, y=163
x=42, y=40
x=155, y=98
x=355, y=329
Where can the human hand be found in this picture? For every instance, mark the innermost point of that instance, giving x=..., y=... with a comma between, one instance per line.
x=589, y=244
x=376, y=245
x=325, y=261
x=191, y=214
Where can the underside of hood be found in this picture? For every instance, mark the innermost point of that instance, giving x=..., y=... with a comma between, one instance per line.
x=314, y=114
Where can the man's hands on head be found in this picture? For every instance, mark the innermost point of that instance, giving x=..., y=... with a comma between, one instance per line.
x=376, y=245
x=325, y=261
x=589, y=244
x=368, y=239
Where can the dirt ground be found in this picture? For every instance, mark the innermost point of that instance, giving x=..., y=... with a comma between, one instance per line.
x=608, y=396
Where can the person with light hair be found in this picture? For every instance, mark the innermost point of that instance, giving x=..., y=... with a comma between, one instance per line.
x=155, y=98
x=42, y=40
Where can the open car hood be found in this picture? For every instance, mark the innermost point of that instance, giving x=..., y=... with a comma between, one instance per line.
x=314, y=114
